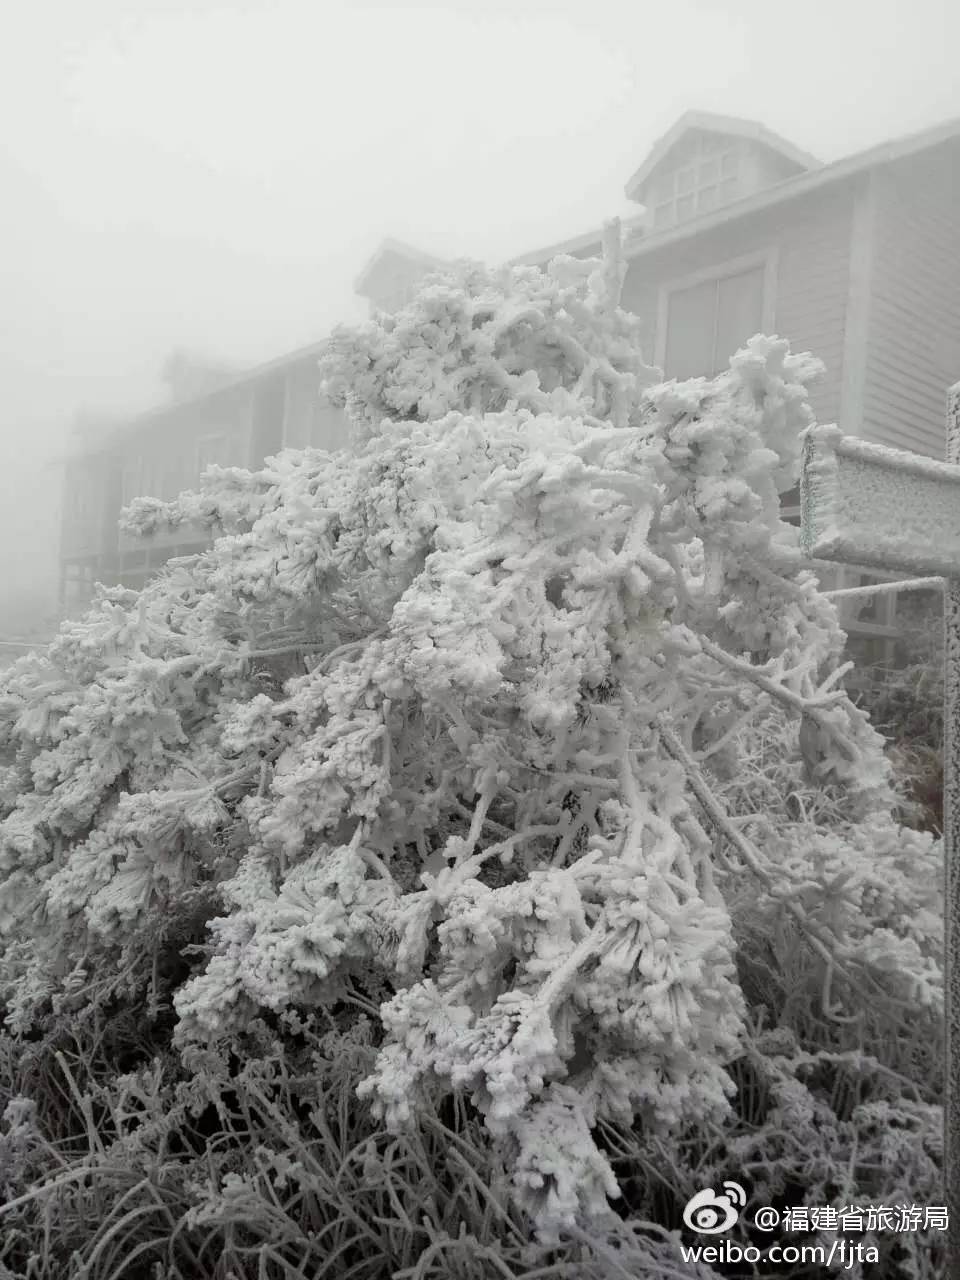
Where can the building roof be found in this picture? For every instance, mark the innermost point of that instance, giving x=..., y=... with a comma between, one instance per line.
x=707, y=122
x=127, y=425
x=816, y=176
x=122, y=427
x=587, y=240
x=398, y=249
x=781, y=192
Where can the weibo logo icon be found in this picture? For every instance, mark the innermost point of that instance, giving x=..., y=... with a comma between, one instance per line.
x=709, y=1212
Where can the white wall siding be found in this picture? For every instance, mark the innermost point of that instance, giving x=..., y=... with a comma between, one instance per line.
x=813, y=287
x=811, y=239
x=311, y=421
x=913, y=345
x=303, y=388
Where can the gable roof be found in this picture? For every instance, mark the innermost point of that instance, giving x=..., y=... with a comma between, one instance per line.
x=780, y=193
x=733, y=126
x=817, y=176
x=398, y=249
x=124, y=426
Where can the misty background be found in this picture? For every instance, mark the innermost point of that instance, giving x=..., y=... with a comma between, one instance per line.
x=213, y=176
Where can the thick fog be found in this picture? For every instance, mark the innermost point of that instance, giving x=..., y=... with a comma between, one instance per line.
x=213, y=175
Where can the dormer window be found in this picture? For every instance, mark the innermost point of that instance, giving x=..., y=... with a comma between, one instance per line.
x=708, y=181
x=705, y=162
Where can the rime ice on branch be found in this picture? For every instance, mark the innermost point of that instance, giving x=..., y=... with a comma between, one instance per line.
x=445, y=719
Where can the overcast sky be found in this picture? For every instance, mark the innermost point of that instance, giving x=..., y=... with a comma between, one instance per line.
x=214, y=174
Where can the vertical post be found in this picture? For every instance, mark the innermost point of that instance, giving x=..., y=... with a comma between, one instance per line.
x=951, y=859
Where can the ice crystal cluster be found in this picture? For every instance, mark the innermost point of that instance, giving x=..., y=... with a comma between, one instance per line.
x=447, y=718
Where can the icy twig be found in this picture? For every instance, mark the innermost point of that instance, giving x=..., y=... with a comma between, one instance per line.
x=750, y=855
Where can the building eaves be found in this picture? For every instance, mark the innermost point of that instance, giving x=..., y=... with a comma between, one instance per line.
x=573, y=245
x=257, y=373
x=790, y=189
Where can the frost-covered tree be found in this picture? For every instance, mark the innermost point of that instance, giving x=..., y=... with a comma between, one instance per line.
x=448, y=728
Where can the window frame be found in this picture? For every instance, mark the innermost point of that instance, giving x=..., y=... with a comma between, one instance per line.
x=686, y=179
x=886, y=627
x=767, y=258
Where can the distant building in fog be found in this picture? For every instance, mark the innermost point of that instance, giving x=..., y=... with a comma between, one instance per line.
x=392, y=276
x=215, y=415
x=236, y=421
x=738, y=231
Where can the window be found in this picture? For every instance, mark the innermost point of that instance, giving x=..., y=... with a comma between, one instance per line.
x=870, y=621
x=708, y=177
x=869, y=608
x=705, y=322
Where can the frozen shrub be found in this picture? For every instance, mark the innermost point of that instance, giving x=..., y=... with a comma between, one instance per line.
x=443, y=726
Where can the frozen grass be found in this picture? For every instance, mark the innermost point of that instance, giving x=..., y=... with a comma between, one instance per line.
x=120, y=1163
x=271, y=1169
x=264, y=1173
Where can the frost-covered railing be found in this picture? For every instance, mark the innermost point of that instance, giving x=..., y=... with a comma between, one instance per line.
x=896, y=511
x=869, y=599
x=863, y=503
x=886, y=588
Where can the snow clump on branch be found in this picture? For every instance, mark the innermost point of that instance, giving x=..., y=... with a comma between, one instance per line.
x=438, y=719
